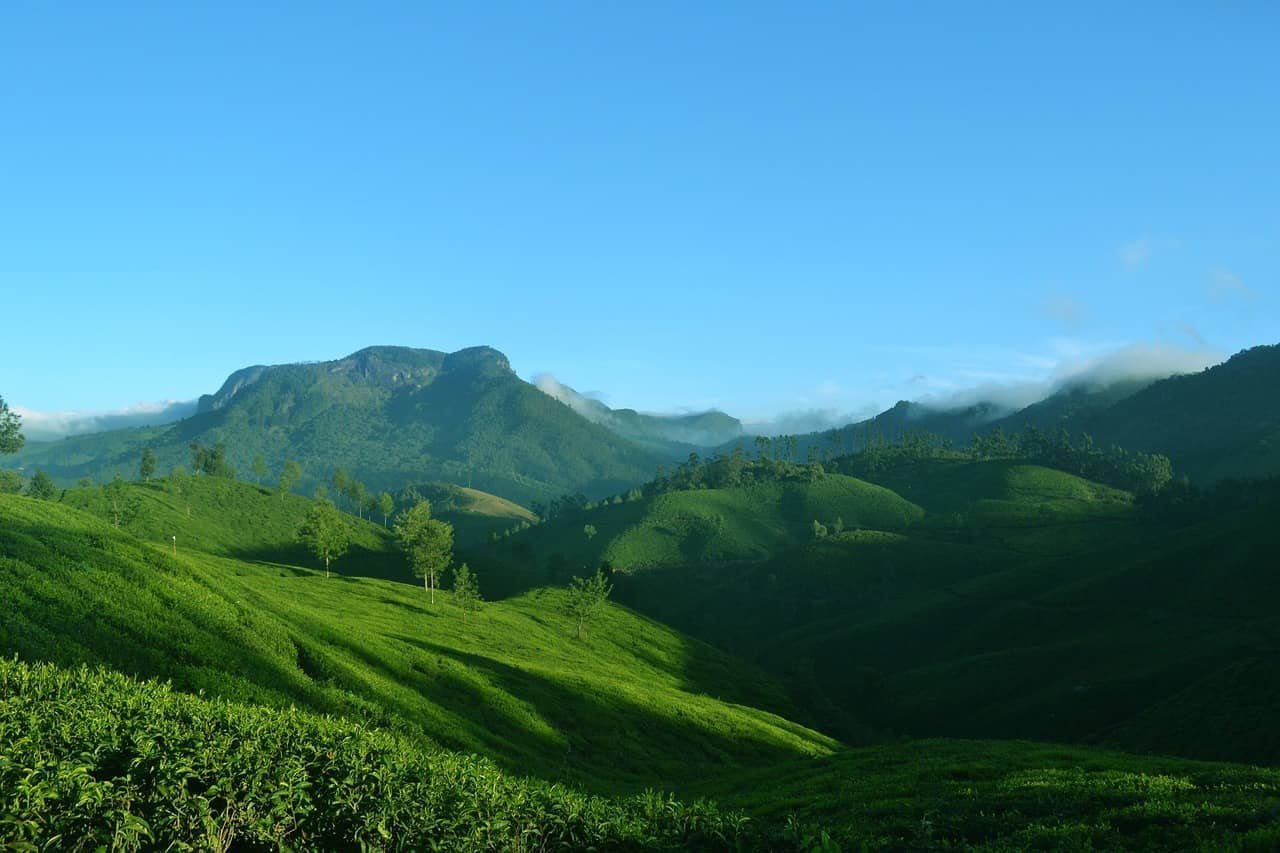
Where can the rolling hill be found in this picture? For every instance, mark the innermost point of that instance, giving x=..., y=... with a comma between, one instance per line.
x=633, y=704
x=316, y=713
x=994, y=598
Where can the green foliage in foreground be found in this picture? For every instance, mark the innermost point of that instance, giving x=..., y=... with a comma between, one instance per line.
x=1012, y=795
x=92, y=759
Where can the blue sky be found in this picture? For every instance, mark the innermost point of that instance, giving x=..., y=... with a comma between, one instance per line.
x=764, y=208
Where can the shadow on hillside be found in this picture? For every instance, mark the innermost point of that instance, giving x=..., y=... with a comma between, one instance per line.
x=359, y=562
x=600, y=736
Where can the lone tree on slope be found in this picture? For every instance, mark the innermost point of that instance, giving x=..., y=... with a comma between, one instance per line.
x=325, y=533
x=586, y=597
x=427, y=542
x=466, y=589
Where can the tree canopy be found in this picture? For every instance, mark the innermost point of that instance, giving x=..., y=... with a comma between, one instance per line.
x=427, y=542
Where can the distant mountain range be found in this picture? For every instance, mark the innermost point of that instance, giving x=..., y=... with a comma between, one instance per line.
x=396, y=415
x=1221, y=422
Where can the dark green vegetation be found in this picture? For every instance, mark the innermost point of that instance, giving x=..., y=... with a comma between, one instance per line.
x=958, y=597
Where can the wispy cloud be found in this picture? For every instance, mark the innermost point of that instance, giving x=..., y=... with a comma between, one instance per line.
x=1135, y=253
x=1224, y=285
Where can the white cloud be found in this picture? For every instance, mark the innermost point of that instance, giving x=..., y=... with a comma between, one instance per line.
x=1079, y=367
x=46, y=426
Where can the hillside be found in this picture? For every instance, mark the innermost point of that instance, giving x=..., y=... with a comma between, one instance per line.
x=390, y=416
x=1010, y=600
x=682, y=528
x=633, y=704
x=475, y=515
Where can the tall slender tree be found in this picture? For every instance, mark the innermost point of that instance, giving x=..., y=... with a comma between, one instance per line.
x=427, y=542
x=147, y=467
x=289, y=477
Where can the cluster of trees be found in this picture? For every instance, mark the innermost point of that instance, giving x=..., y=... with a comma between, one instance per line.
x=1136, y=471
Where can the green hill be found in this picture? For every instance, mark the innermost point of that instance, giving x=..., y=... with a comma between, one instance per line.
x=632, y=705
x=682, y=528
x=999, y=599
x=388, y=415
x=475, y=515
x=977, y=607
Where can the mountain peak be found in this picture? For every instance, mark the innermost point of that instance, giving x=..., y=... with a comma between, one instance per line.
x=481, y=358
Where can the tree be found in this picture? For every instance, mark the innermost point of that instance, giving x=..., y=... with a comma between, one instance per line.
x=289, y=477
x=586, y=597
x=819, y=529
x=41, y=487
x=466, y=589
x=11, y=438
x=589, y=530
x=357, y=496
x=387, y=505
x=211, y=461
x=341, y=482
x=11, y=483
x=180, y=485
x=325, y=533
x=427, y=542
x=122, y=505
x=259, y=469
x=148, y=465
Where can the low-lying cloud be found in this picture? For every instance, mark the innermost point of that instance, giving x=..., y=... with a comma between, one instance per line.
x=48, y=426
x=1137, y=362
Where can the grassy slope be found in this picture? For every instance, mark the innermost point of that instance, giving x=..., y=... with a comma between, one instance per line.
x=633, y=704
x=1027, y=602
x=685, y=528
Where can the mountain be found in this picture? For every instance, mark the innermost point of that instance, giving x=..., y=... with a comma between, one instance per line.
x=1221, y=422
x=697, y=431
x=390, y=416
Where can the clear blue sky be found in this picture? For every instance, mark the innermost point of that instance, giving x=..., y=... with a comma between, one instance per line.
x=760, y=207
